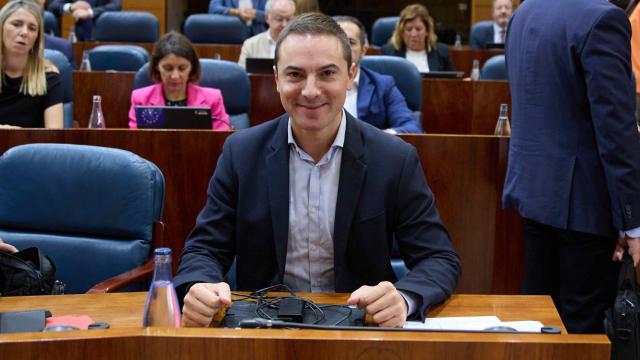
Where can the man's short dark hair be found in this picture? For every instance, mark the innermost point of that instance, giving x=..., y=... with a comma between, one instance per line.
x=178, y=45
x=356, y=22
x=315, y=24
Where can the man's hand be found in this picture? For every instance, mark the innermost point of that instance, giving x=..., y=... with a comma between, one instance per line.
x=383, y=302
x=80, y=14
x=633, y=244
x=247, y=14
x=79, y=5
x=203, y=301
x=8, y=248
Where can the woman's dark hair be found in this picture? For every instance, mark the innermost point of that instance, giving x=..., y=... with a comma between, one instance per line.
x=178, y=45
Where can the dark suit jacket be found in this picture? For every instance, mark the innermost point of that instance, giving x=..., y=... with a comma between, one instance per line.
x=382, y=194
x=381, y=104
x=438, y=58
x=574, y=152
x=60, y=44
x=258, y=24
x=481, y=34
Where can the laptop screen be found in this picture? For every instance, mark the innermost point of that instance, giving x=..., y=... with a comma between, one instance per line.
x=173, y=117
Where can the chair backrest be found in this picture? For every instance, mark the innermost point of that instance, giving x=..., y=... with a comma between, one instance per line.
x=229, y=77
x=60, y=61
x=480, y=26
x=118, y=57
x=51, y=24
x=382, y=30
x=215, y=29
x=127, y=26
x=494, y=68
x=404, y=73
x=91, y=209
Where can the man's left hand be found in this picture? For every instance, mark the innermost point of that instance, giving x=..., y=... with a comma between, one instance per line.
x=383, y=302
x=632, y=245
x=81, y=14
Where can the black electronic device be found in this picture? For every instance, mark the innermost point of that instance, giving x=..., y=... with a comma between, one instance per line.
x=173, y=117
x=259, y=65
x=291, y=309
x=495, y=46
x=22, y=321
x=443, y=74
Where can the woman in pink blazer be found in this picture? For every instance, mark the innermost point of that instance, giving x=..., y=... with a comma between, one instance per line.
x=175, y=67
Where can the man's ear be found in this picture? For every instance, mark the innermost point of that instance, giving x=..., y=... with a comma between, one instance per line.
x=275, y=74
x=365, y=47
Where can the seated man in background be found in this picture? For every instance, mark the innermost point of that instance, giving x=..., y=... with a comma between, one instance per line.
x=83, y=13
x=374, y=97
x=277, y=14
x=249, y=11
x=495, y=32
x=56, y=43
x=314, y=199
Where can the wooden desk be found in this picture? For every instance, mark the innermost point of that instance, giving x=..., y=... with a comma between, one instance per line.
x=230, y=52
x=128, y=340
x=462, y=59
x=465, y=173
x=462, y=107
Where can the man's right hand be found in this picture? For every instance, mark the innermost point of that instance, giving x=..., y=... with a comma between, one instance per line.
x=247, y=14
x=202, y=303
x=79, y=5
x=8, y=248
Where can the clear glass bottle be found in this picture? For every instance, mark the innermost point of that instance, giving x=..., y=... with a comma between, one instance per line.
x=162, y=308
x=502, y=126
x=72, y=35
x=475, y=70
x=458, y=44
x=86, y=63
x=96, y=121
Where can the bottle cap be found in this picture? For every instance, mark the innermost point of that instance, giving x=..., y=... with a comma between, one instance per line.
x=97, y=98
x=162, y=251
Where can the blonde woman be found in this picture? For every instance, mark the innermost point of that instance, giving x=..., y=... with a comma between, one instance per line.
x=415, y=39
x=31, y=90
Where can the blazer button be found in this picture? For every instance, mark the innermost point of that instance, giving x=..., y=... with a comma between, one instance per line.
x=627, y=211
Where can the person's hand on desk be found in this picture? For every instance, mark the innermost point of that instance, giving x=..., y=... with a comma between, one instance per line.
x=8, y=248
x=81, y=14
x=3, y=126
x=383, y=302
x=632, y=245
x=202, y=303
x=79, y=5
x=247, y=14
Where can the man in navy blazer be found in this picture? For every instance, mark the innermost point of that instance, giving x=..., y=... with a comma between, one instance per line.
x=495, y=31
x=84, y=12
x=574, y=163
x=374, y=97
x=315, y=198
x=254, y=17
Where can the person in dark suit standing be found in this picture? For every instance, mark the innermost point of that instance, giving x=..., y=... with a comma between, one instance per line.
x=486, y=32
x=415, y=39
x=84, y=13
x=374, y=97
x=315, y=198
x=574, y=168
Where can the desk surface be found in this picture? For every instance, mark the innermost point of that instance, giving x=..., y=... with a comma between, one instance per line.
x=127, y=339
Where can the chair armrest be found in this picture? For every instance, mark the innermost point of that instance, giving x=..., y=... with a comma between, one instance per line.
x=125, y=279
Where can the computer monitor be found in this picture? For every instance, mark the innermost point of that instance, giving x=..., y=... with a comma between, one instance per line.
x=259, y=65
x=443, y=74
x=495, y=46
x=173, y=117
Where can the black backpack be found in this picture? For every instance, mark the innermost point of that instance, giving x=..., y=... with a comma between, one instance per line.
x=28, y=272
x=621, y=322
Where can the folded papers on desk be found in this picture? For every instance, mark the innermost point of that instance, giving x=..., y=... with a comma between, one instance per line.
x=472, y=323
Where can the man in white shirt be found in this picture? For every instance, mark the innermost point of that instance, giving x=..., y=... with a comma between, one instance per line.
x=277, y=15
x=496, y=32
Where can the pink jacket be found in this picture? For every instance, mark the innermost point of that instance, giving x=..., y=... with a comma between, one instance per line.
x=196, y=96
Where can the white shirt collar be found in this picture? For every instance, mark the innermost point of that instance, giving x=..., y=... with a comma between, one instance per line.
x=338, y=141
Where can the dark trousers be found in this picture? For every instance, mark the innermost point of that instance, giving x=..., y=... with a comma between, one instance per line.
x=575, y=269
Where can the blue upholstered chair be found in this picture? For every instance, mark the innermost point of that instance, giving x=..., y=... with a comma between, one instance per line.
x=60, y=61
x=382, y=30
x=494, y=69
x=481, y=31
x=215, y=29
x=91, y=209
x=51, y=24
x=127, y=26
x=404, y=73
x=118, y=57
x=229, y=77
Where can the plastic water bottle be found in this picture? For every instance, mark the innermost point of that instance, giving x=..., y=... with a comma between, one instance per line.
x=96, y=121
x=86, y=63
x=475, y=70
x=72, y=35
x=458, y=44
x=162, y=308
x=502, y=126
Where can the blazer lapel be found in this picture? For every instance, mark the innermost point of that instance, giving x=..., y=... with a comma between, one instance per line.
x=352, y=174
x=278, y=183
